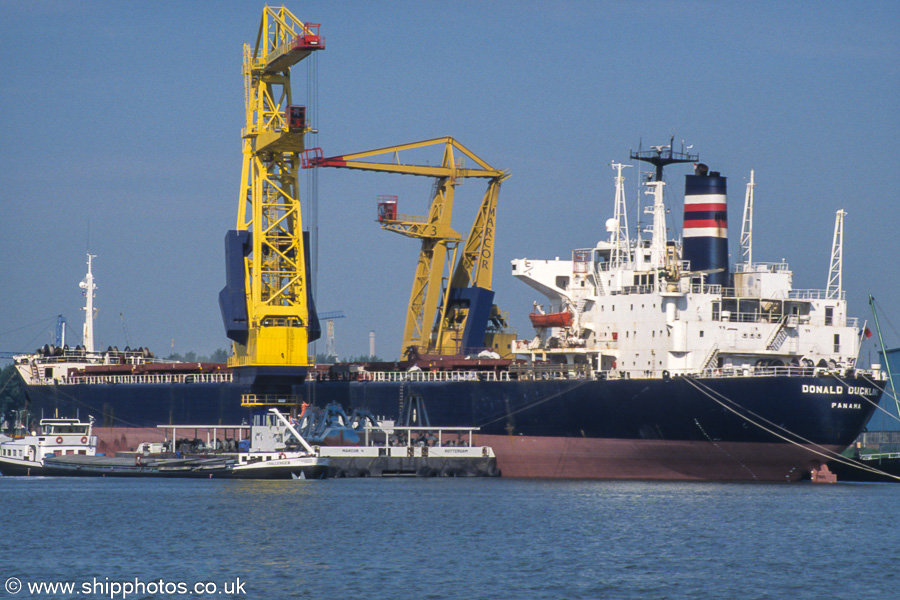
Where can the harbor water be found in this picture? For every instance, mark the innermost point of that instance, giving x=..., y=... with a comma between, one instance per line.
x=447, y=538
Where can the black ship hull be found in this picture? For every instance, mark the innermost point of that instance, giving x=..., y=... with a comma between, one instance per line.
x=724, y=428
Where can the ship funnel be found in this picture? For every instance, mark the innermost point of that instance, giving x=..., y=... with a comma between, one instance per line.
x=706, y=224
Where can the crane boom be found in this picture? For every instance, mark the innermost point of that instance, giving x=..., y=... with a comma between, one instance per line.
x=448, y=165
x=475, y=263
x=438, y=315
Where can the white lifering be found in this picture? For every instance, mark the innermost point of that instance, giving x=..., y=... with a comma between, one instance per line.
x=84, y=440
x=59, y=440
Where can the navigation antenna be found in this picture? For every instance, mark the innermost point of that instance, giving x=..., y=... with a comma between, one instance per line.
x=835, y=274
x=747, y=225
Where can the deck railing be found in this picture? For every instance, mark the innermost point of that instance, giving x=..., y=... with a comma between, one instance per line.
x=515, y=373
x=145, y=379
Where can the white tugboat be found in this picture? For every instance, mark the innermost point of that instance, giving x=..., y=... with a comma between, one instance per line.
x=25, y=453
x=277, y=450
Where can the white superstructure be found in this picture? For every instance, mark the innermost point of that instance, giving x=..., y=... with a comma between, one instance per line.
x=26, y=451
x=643, y=312
x=54, y=364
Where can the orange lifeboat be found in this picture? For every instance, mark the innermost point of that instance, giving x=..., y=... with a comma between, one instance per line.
x=559, y=319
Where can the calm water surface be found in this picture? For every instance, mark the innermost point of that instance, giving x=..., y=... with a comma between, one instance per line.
x=453, y=538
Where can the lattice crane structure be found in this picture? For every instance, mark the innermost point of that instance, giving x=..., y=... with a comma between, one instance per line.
x=266, y=304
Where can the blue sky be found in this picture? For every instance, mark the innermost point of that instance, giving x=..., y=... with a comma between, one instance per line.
x=121, y=135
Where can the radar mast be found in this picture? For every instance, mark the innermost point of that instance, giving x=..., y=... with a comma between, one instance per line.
x=662, y=156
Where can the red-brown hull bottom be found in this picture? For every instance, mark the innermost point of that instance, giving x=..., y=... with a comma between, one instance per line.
x=586, y=458
x=125, y=439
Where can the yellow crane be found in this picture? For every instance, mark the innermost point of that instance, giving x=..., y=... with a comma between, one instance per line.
x=446, y=314
x=266, y=305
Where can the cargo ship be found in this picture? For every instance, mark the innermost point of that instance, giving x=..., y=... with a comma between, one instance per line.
x=652, y=357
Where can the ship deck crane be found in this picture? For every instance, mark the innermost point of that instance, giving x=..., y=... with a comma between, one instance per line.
x=266, y=305
x=454, y=318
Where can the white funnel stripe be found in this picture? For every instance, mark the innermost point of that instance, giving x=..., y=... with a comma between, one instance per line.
x=706, y=199
x=718, y=232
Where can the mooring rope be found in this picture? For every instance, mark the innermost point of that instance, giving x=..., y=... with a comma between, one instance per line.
x=823, y=452
x=877, y=405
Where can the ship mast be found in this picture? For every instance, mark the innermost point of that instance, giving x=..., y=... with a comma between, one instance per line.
x=660, y=235
x=621, y=245
x=660, y=157
x=88, y=286
x=747, y=224
x=834, y=290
